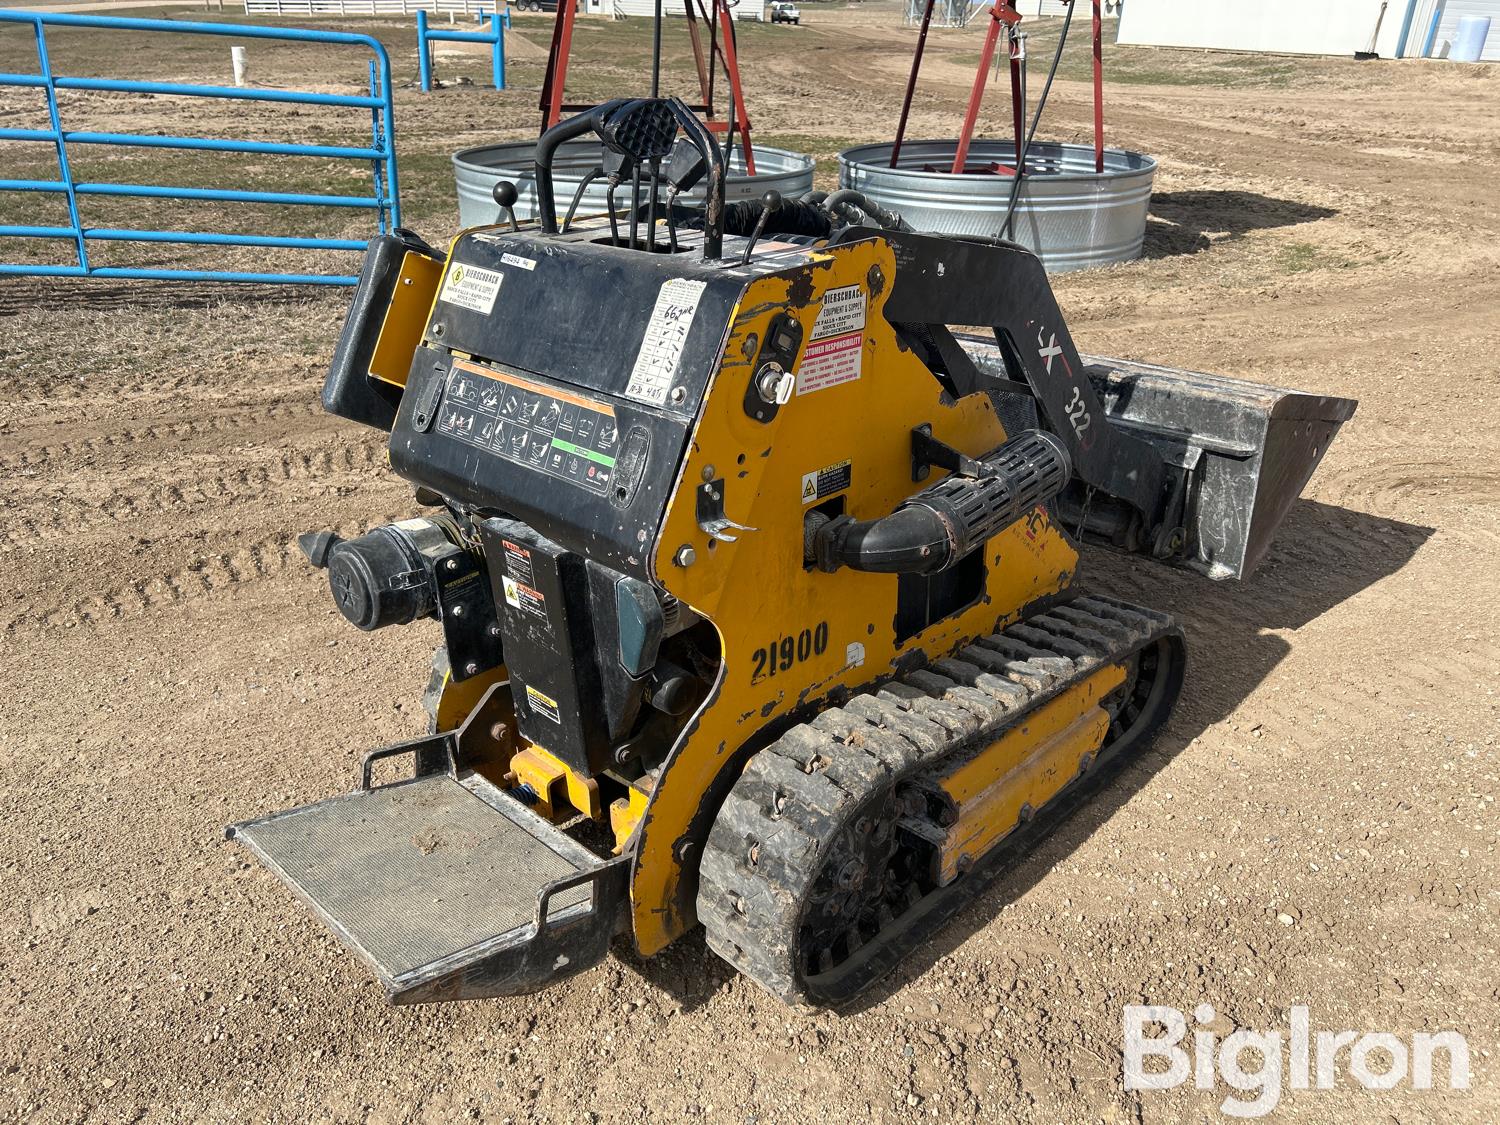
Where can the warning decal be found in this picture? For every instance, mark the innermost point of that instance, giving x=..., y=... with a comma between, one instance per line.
x=523, y=597
x=470, y=287
x=827, y=363
x=825, y=482
x=666, y=337
x=543, y=704
x=843, y=311
x=518, y=562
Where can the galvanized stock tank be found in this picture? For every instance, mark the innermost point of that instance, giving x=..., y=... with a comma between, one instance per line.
x=1070, y=215
x=477, y=169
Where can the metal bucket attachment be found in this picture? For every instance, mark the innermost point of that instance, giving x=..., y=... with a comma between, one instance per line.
x=1248, y=450
x=446, y=887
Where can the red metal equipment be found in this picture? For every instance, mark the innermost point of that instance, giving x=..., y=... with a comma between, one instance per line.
x=911, y=81
x=1003, y=15
x=721, y=52
x=1098, y=89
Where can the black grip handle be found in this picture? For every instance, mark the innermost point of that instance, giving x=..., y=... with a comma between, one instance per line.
x=549, y=142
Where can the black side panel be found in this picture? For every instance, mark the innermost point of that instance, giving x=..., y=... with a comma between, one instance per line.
x=348, y=391
x=542, y=593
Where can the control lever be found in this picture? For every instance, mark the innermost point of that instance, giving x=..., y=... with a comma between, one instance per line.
x=505, y=195
x=616, y=165
x=769, y=202
x=685, y=168
x=583, y=186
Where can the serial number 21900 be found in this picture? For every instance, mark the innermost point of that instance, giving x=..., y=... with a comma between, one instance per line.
x=783, y=652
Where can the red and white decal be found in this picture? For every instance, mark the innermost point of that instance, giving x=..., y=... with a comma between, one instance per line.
x=827, y=363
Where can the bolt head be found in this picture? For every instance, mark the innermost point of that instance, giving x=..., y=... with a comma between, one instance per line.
x=679, y=394
x=685, y=556
x=708, y=472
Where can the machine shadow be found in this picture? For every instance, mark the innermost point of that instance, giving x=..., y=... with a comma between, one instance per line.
x=1324, y=555
x=1181, y=222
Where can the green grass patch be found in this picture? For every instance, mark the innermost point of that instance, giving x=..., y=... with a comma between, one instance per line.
x=1303, y=257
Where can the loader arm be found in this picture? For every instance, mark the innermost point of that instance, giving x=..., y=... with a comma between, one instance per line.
x=944, y=281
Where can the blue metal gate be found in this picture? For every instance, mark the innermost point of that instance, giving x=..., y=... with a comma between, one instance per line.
x=380, y=152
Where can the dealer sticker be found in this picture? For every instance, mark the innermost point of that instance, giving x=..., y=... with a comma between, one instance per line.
x=836, y=351
x=470, y=287
x=825, y=482
x=843, y=311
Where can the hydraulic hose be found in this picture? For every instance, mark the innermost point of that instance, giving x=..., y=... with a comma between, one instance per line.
x=589, y=177
x=938, y=526
x=850, y=197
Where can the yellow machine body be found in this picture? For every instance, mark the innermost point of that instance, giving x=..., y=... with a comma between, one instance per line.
x=792, y=634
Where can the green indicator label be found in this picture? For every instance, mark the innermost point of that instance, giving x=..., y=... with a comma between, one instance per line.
x=568, y=447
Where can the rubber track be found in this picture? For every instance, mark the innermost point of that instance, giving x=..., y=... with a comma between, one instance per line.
x=767, y=843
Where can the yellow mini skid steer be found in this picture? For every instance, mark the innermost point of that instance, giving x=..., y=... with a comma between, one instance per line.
x=757, y=581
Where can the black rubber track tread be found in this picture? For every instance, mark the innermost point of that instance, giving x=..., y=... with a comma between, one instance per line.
x=769, y=839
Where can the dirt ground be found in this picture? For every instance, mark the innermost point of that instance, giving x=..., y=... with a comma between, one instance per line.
x=1316, y=825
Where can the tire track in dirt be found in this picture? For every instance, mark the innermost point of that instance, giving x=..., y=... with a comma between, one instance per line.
x=1323, y=556
x=38, y=387
x=268, y=557
x=45, y=455
x=1393, y=487
x=67, y=514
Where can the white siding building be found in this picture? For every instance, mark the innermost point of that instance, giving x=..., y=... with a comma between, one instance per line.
x=1108, y=9
x=744, y=10
x=1328, y=27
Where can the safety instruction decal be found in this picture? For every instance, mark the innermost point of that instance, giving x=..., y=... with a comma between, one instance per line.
x=666, y=337
x=825, y=482
x=470, y=287
x=543, y=704
x=518, y=562
x=546, y=429
x=836, y=351
x=523, y=597
x=827, y=363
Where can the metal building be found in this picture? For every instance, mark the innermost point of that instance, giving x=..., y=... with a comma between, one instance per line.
x=744, y=10
x=1332, y=27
